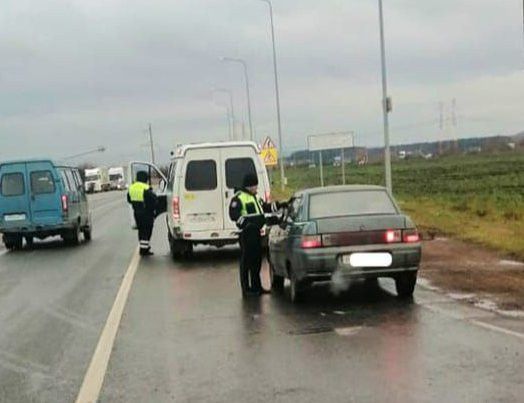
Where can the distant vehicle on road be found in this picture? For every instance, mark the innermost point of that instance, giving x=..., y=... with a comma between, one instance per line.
x=97, y=180
x=117, y=178
x=202, y=180
x=39, y=199
x=341, y=233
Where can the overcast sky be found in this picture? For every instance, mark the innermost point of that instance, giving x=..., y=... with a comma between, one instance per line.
x=76, y=74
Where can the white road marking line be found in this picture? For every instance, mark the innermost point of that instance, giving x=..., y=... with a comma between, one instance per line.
x=94, y=377
x=472, y=321
x=498, y=329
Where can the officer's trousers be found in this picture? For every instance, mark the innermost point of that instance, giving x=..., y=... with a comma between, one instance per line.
x=144, y=223
x=250, y=259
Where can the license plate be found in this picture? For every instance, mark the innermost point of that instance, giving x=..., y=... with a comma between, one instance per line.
x=14, y=217
x=378, y=259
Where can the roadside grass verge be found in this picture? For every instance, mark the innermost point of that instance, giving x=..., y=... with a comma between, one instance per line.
x=477, y=198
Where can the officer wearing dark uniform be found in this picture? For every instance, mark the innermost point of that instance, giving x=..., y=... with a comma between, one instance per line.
x=143, y=199
x=247, y=210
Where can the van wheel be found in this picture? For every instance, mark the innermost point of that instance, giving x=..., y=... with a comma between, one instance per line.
x=277, y=281
x=72, y=237
x=29, y=240
x=87, y=234
x=13, y=242
x=405, y=284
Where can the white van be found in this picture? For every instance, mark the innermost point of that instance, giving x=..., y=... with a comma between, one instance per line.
x=198, y=189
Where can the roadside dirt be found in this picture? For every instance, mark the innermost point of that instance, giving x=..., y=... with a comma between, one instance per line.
x=459, y=267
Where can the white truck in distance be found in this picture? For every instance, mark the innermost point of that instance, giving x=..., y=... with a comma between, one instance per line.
x=97, y=180
x=117, y=178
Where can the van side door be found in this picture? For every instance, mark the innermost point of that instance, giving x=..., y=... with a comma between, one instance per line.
x=82, y=197
x=15, y=211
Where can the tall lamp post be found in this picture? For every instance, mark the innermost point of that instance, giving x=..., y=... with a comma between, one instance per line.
x=248, y=96
x=100, y=149
x=277, y=93
x=231, y=108
x=386, y=100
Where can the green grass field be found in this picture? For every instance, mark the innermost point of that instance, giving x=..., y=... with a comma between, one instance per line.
x=474, y=198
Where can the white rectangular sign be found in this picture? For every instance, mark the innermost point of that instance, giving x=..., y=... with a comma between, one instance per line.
x=330, y=141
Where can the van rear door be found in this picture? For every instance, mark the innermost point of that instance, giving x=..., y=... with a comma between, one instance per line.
x=45, y=193
x=15, y=211
x=201, y=198
x=237, y=162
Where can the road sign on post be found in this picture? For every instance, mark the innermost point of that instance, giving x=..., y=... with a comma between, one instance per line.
x=330, y=141
x=269, y=153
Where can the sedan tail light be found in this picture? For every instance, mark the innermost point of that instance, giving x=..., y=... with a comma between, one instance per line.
x=410, y=236
x=176, y=208
x=393, y=236
x=65, y=204
x=311, y=241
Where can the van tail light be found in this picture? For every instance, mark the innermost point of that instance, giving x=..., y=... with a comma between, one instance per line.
x=65, y=205
x=176, y=208
x=311, y=241
x=267, y=197
x=410, y=236
x=393, y=236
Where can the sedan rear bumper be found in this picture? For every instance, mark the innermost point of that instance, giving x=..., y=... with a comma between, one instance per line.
x=320, y=264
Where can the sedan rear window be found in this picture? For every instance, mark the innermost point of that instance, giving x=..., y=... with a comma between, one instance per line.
x=13, y=184
x=337, y=204
x=201, y=175
x=42, y=182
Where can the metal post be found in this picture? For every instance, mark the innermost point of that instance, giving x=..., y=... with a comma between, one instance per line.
x=321, y=169
x=343, y=168
x=232, y=110
x=151, y=144
x=277, y=93
x=385, y=101
x=248, y=95
x=228, y=116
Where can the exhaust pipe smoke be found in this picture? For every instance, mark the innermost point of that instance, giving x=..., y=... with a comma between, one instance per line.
x=339, y=284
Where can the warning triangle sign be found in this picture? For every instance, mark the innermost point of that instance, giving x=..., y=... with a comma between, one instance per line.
x=268, y=143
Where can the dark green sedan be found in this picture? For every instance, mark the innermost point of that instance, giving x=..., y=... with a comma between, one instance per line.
x=340, y=233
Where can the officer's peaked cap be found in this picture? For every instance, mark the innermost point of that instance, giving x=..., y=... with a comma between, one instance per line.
x=250, y=180
x=142, y=176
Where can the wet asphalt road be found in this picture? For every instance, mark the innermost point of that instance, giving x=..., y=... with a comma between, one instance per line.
x=187, y=336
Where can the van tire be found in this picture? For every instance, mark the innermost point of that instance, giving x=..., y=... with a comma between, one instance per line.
x=29, y=241
x=87, y=234
x=14, y=242
x=72, y=236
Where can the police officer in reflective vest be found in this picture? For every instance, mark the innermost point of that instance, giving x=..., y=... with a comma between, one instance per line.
x=143, y=199
x=247, y=210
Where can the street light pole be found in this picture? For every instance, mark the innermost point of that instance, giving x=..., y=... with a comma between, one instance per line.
x=151, y=145
x=100, y=149
x=277, y=93
x=386, y=102
x=232, y=110
x=248, y=96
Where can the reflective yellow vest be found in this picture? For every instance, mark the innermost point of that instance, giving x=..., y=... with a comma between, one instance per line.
x=136, y=192
x=247, y=198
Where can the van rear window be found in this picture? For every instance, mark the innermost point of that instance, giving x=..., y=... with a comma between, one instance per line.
x=236, y=169
x=13, y=184
x=201, y=175
x=42, y=182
